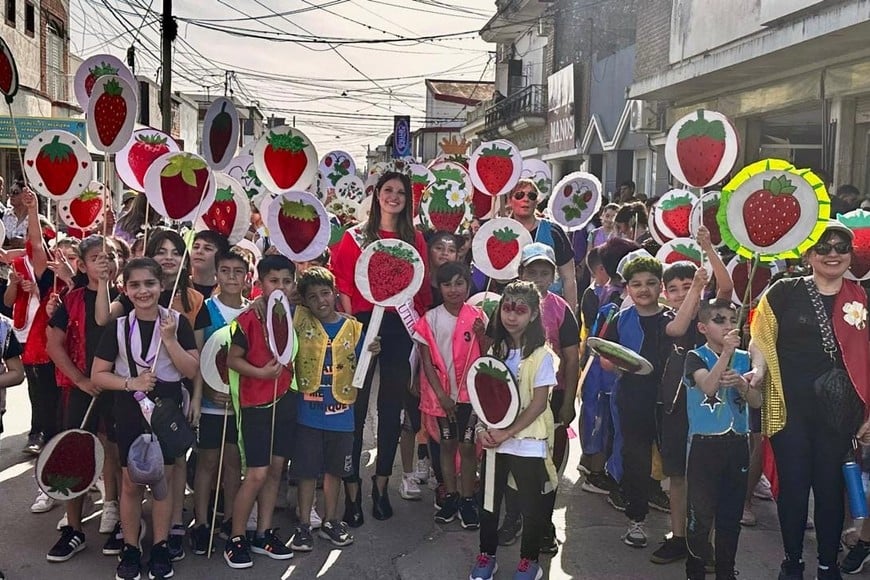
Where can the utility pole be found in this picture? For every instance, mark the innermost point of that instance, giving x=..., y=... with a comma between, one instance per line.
x=169, y=32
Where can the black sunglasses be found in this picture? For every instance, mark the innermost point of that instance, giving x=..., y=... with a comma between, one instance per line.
x=532, y=195
x=824, y=248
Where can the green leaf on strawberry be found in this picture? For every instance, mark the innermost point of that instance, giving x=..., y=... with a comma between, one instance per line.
x=88, y=195
x=779, y=186
x=186, y=166
x=505, y=235
x=690, y=252
x=112, y=87
x=397, y=251
x=56, y=151
x=286, y=142
x=855, y=220
x=495, y=151
x=491, y=370
x=448, y=174
x=701, y=127
x=299, y=210
x=676, y=201
x=224, y=194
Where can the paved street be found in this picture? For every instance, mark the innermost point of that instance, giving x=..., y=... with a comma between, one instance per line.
x=409, y=546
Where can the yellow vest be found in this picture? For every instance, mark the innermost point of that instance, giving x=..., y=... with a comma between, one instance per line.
x=312, y=340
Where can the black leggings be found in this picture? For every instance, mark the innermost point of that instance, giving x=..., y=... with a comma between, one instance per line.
x=392, y=393
x=44, y=400
x=809, y=455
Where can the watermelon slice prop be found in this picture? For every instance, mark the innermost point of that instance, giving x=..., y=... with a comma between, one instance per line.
x=495, y=398
x=70, y=463
x=620, y=356
x=773, y=211
x=575, y=201
x=388, y=274
x=859, y=222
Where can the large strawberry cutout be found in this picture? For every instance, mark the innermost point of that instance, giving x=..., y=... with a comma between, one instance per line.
x=539, y=172
x=493, y=392
x=57, y=165
x=8, y=72
x=495, y=167
x=92, y=70
x=230, y=213
x=84, y=212
x=213, y=361
x=674, y=215
x=69, y=464
x=336, y=165
x=220, y=133
x=298, y=225
x=132, y=162
x=180, y=186
x=421, y=177
x=576, y=200
x=444, y=205
x=496, y=248
x=773, y=211
x=704, y=213
x=701, y=148
x=859, y=222
x=279, y=327
x=111, y=113
x=285, y=160
x=739, y=269
x=392, y=270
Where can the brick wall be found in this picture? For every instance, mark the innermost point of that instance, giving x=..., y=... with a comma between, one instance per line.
x=653, y=38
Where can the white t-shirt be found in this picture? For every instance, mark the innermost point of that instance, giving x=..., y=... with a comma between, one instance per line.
x=545, y=378
x=443, y=325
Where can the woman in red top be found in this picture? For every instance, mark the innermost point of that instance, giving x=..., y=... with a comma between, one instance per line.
x=390, y=217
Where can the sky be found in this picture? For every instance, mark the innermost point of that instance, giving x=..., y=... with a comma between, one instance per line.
x=342, y=95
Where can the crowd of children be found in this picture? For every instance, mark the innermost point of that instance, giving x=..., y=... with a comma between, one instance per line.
x=103, y=322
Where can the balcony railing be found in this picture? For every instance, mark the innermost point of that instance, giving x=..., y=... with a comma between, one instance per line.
x=528, y=102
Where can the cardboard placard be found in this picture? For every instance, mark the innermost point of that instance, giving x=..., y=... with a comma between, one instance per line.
x=220, y=133
x=8, y=72
x=674, y=214
x=495, y=167
x=213, y=361
x=230, y=213
x=57, y=165
x=180, y=186
x=134, y=159
x=298, y=225
x=539, y=172
x=279, y=326
x=739, y=270
x=285, y=160
x=709, y=204
x=350, y=187
x=575, y=201
x=445, y=204
x=112, y=113
x=84, y=212
x=69, y=464
x=701, y=148
x=92, y=69
x=497, y=246
x=485, y=301
x=335, y=166
x=683, y=249
x=242, y=169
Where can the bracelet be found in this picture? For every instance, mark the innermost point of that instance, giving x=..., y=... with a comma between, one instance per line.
x=127, y=384
x=480, y=428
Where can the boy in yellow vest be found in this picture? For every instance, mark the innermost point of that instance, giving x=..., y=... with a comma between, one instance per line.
x=329, y=346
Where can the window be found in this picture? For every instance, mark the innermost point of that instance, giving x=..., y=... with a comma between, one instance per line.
x=29, y=18
x=640, y=175
x=55, y=79
x=10, y=13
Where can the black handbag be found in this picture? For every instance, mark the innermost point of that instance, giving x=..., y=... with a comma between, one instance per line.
x=168, y=422
x=840, y=408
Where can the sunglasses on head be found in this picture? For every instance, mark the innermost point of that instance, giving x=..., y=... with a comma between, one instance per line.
x=824, y=248
x=532, y=195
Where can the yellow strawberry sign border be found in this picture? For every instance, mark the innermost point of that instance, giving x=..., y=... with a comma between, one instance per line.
x=741, y=187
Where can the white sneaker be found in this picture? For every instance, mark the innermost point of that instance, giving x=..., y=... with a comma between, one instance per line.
x=636, y=535
x=315, y=519
x=42, y=503
x=409, y=488
x=109, y=517
x=421, y=472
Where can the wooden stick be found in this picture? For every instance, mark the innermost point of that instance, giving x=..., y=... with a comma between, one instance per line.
x=147, y=225
x=17, y=142
x=218, y=486
x=365, y=358
x=88, y=412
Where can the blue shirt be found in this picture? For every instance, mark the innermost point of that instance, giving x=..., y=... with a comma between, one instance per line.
x=320, y=410
x=723, y=411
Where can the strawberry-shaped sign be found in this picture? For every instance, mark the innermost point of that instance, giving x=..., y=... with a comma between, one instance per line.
x=347, y=211
x=279, y=327
x=180, y=186
x=230, y=213
x=337, y=165
x=773, y=211
x=388, y=274
x=8, y=72
x=132, y=162
x=485, y=301
x=69, y=464
x=495, y=167
x=298, y=225
x=539, y=172
x=451, y=175
x=660, y=237
x=92, y=69
x=683, y=250
x=675, y=212
x=350, y=187
x=220, y=133
x=421, y=177
x=112, y=113
x=242, y=169
x=704, y=213
x=213, y=361
x=445, y=205
x=84, y=212
x=701, y=148
x=496, y=248
x=57, y=165
x=373, y=175
x=576, y=200
x=285, y=160
x=739, y=269
x=859, y=222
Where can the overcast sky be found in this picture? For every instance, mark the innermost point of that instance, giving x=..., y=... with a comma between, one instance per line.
x=307, y=80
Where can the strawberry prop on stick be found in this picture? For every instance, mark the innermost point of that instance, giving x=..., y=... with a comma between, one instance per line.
x=859, y=222
x=700, y=149
x=57, y=166
x=183, y=182
x=285, y=158
x=221, y=134
x=493, y=391
x=769, y=213
x=144, y=151
x=682, y=252
x=100, y=70
x=299, y=223
x=8, y=73
x=110, y=112
x=390, y=269
x=494, y=167
x=502, y=247
x=675, y=214
x=221, y=216
x=71, y=466
x=86, y=208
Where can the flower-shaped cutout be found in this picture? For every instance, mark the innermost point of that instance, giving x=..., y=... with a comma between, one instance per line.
x=855, y=314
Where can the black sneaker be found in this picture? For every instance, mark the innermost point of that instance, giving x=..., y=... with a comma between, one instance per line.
x=468, y=515
x=199, y=537
x=131, y=564
x=160, y=562
x=71, y=542
x=659, y=500
x=791, y=570
x=449, y=509
x=599, y=482
x=336, y=532
x=236, y=553
x=302, y=540
x=673, y=549
x=854, y=561
x=617, y=499
x=549, y=543
x=175, y=543
x=271, y=545
x=510, y=530
x=115, y=542
x=828, y=573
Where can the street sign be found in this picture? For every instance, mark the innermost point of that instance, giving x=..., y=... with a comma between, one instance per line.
x=29, y=127
x=401, y=136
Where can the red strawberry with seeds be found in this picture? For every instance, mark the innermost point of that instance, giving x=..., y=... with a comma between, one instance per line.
x=709, y=220
x=299, y=222
x=418, y=186
x=740, y=277
x=280, y=328
x=86, y=208
x=502, y=247
x=221, y=216
x=700, y=149
x=95, y=73
x=220, y=362
x=285, y=158
x=185, y=178
x=8, y=72
x=493, y=391
x=144, y=151
x=567, y=191
x=494, y=168
x=72, y=464
x=769, y=213
x=221, y=133
x=675, y=213
x=681, y=252
x=110, y=112
x=390, y=270
x=57, y=166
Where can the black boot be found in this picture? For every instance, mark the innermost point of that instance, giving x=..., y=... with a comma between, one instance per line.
x=353, y=513
x=381, y=508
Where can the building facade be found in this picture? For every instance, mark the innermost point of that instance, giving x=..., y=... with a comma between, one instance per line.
x=447, y=103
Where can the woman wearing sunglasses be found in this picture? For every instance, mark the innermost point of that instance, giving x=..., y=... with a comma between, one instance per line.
x=811, y=349
x=523, y=202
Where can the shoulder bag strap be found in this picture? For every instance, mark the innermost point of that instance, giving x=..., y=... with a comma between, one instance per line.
x=828, y=342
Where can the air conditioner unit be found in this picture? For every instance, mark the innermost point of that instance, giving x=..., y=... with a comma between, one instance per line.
x=644, y=118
